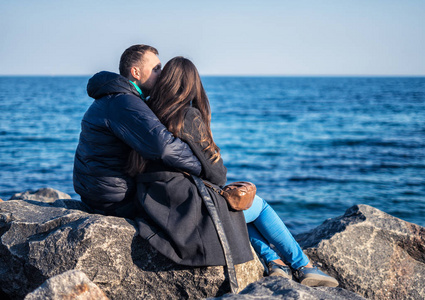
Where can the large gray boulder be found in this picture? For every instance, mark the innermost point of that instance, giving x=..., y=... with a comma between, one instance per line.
x=40, y=240
x=371, y=253
x=275, y=287
x=72, y=284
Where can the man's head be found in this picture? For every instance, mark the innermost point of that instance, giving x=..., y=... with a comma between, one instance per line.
x=140, y=64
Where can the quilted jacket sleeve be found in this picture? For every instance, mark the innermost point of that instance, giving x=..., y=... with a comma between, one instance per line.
x=131, y=120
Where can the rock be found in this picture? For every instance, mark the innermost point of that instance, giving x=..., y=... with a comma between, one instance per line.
x=44, y=194
x=370, y=253
x=72, y=284
x=40, y=240
x=275, y=287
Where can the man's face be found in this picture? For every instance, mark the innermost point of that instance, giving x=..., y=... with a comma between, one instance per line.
x=149, y=72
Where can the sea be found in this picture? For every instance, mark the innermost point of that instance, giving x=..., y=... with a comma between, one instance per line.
x=314, y=146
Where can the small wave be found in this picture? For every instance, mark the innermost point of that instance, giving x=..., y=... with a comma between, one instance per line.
x=415, y=183
x=396, y=144
x=45, y=170
x=266, y=153
x=376, y=143
x=356, y=166
x=412, y=193
x=327, y=179
x=399, y=166
x=393, y=183
x=313, y=178
x=37, y=139
x=246, y=165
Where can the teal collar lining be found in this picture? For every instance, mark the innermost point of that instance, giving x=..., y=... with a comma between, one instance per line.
x=139, y=90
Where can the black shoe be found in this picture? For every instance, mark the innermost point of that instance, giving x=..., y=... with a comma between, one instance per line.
x=315, y=277
x=279, y=270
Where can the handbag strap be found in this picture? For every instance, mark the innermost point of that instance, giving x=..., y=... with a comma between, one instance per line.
x=217, y=190
x=220, y=231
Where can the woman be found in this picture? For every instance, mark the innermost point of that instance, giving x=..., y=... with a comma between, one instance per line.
x=176, y=222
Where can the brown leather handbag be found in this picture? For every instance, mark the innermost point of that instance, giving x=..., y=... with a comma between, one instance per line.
x=239, y=195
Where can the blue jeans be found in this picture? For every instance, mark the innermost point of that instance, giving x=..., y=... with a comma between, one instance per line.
x=265, y=228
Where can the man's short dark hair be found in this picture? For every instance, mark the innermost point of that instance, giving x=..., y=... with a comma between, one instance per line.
x=132, y=56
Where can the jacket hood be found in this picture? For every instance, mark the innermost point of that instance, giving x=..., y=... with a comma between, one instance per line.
x=107, y=83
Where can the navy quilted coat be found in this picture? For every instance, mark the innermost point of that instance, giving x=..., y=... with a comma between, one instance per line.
x=118, y=121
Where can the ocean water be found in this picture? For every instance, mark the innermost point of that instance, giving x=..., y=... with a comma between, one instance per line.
x=313, y=146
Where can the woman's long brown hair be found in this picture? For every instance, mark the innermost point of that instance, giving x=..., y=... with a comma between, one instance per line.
x=179, y=87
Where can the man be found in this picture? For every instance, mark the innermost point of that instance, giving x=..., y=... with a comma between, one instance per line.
x=117, y=122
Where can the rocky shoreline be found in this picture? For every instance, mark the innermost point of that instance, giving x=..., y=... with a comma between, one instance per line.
x=53, y=247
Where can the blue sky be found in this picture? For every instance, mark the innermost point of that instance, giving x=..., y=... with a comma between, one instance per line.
x=265, y=37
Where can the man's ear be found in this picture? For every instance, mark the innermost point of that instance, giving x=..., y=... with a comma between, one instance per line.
x=135, y=72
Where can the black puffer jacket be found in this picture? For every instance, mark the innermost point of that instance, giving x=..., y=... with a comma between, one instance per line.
x=117, y=121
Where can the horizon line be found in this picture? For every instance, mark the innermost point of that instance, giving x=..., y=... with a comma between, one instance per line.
x=234, y=75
